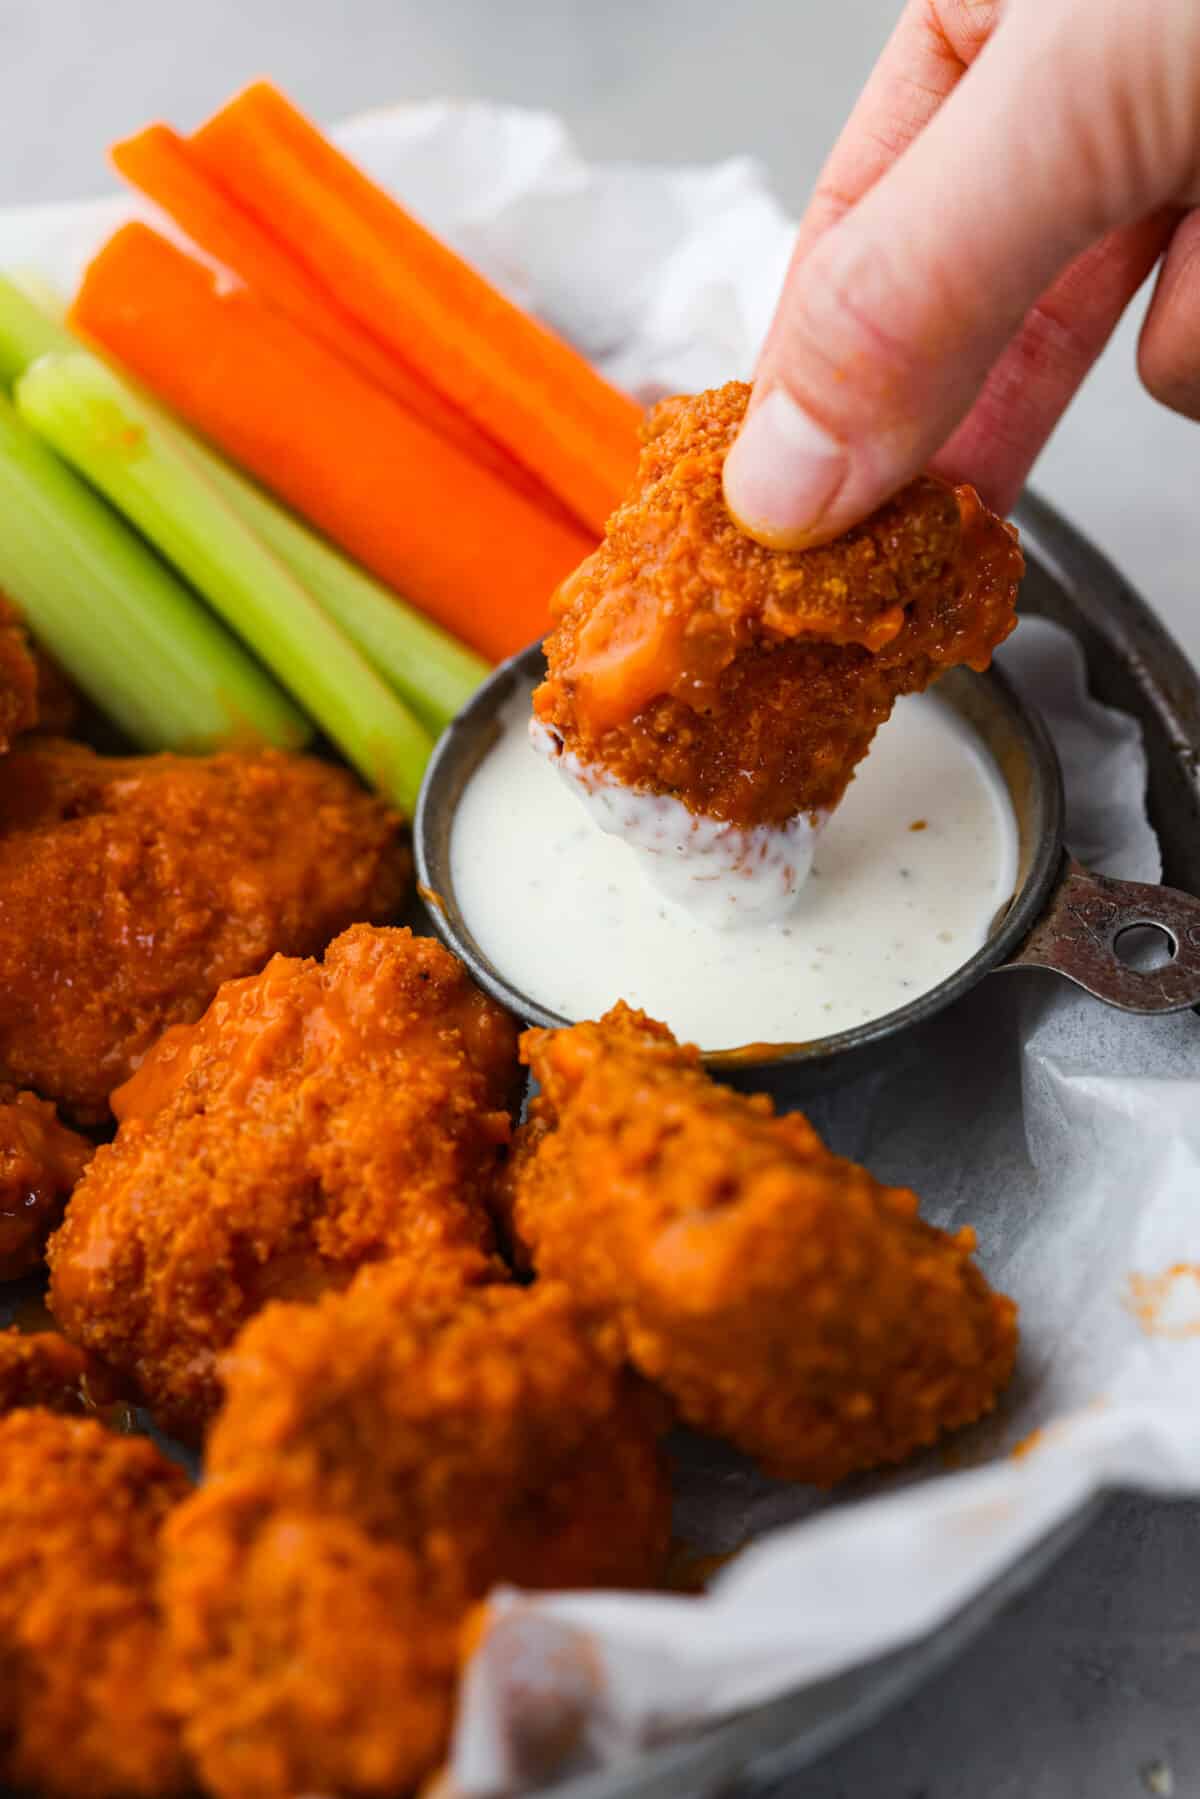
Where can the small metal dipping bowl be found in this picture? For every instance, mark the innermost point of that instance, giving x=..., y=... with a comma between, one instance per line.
x=1061, y=917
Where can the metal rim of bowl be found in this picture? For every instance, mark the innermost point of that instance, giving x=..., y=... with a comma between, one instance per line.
x=441, y=788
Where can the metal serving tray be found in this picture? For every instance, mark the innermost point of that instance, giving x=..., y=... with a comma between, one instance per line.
x=1133, y=663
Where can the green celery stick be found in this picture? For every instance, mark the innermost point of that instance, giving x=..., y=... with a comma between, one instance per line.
x=42, y=294
x=428, y=667
x=27, y=331
x=123, y=627
x=119, y=443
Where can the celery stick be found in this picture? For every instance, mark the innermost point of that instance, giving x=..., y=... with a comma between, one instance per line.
x=430, y=669
x=123, y=627
x=119, y=443
x=27, y=331
x=42, y=294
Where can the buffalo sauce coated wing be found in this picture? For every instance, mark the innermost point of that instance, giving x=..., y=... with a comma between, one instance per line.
x=319, y=1116
x=83, y=1667
x=383, y=1457
x=748, y=683
x=502, y=1443
x=307, y=1657
x=34, y=692
x=783, y=1297
x=130, y=888
x=40, y=1368
x=18, y=679
x=40, y=1162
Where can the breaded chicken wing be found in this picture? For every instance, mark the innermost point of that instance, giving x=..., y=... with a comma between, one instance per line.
x=690, y=663
x=35, y=695
x=784, y=1298
x=40, y=1368
x=381, y=1459
x=130, y=888
x=40, y=1162
x=319, y=1116
x=18, y=679
x=83, y=1707
x=478, y=1426
x=306, y=1657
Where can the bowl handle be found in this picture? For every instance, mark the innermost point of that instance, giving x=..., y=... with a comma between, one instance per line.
x=1077, y=936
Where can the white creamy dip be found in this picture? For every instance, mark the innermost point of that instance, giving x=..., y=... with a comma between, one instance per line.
x=724, y=876
x=907, y=876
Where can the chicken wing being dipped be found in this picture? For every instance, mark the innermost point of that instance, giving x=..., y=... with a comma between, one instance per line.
x=784, y=1298
x=130, y=888
x=383, y=1457
x=40, y=1163
x=710, y=699
x=319, y=1116
x=83, y=1676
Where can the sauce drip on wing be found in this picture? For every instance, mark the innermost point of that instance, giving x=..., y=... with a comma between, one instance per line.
x=747, y=683
x=40, y=1162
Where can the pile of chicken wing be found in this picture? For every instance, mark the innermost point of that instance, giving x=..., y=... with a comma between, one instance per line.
x=266, y=1142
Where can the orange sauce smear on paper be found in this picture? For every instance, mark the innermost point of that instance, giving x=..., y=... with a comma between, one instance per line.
x=1154, y=1300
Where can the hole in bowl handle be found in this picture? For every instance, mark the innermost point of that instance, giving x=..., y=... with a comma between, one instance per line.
x=1077, y=934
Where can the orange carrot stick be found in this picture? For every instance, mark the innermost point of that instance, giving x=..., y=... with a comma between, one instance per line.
x=521, y=384
x=161, y=164
x=412, y=508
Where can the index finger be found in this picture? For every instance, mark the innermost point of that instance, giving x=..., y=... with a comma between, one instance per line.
x=932, y=46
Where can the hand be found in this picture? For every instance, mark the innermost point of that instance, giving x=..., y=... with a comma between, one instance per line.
x=1009, y=178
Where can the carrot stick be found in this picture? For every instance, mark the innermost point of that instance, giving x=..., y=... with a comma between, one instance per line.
x=161, y=164
x=521, y=384
x=428, y=520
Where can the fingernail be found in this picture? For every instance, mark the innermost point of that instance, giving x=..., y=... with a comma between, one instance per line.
x=783, y=471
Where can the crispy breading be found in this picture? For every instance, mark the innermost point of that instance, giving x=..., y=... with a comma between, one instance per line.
x=478, y=1425
x=748, y=683
x=60, y=706
x=40, y=1162
x=131, y=887
x=83, y=1705
x=382, y=1457
x=18, y=678
x=320, y=1115
x=306, y=1657
x=783, y=1297
x=40, y=1368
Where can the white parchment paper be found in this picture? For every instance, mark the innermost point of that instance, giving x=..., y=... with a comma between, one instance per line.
x=1068, y=1135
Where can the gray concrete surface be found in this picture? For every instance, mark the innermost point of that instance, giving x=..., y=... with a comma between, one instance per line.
x=1090, y=1687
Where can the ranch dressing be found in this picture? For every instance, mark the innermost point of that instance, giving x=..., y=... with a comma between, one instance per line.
x=906, y=877
x=722, y=875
